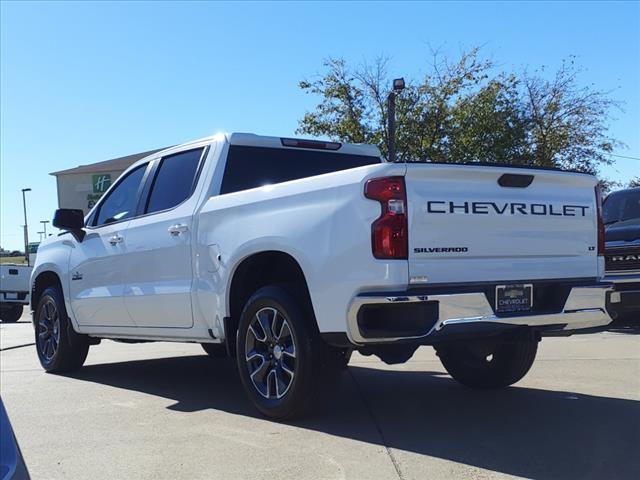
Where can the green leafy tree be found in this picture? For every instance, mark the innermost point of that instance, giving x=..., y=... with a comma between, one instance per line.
x=464, y=110
x=490, y=126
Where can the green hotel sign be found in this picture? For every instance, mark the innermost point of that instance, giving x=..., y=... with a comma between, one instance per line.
x=101, y=183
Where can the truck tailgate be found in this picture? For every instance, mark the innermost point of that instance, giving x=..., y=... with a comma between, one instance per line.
x=14, y=281
x=464, y=226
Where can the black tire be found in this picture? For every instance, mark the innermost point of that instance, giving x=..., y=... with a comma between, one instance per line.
x=60, y=349
x=215, y=350
x=282, y=395
x=11, y=314
x=481, y=366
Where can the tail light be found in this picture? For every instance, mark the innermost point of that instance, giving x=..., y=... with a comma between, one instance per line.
x=600, y=221
x=389, y=233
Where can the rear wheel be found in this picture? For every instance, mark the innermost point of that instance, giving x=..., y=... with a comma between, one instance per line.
x=11, y=314
x=60, y=349
x=479, y=365
x=280, y=355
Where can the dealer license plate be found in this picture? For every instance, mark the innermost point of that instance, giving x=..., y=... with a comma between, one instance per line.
x=514, y=298
x=11, y=296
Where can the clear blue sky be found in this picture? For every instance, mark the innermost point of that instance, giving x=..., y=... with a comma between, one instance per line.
x=82, y=83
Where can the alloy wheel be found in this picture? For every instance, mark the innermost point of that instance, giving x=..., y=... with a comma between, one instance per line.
x=270, y=353
x=48, y=329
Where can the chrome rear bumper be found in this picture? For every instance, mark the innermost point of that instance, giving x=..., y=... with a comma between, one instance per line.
x=585, y=307
x=622, y=277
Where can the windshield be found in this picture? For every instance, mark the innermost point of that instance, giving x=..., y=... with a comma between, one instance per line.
x=621, y=206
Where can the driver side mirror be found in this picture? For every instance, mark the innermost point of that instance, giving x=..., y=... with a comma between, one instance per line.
x=71, y=220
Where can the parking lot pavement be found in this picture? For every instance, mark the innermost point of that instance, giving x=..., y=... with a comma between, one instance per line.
x=162, y=410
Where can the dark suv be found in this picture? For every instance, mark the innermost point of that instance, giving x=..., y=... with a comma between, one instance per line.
x=621, y=211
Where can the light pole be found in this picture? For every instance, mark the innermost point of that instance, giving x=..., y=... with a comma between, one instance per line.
x=41, y=233
x=398, y=86
x=44, y=223
x=26, y=226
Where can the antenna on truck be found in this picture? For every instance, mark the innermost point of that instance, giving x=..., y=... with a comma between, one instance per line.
x=398, y=86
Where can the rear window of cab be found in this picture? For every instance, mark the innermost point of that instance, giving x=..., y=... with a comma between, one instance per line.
x=251, y=167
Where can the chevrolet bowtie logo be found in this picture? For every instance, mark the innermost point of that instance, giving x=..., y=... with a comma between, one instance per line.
x=514, y=293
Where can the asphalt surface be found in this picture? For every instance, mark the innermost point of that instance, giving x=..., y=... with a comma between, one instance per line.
x=162, y=410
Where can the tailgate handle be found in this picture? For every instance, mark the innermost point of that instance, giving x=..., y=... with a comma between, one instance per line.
x=515, y=180
x=13, y=271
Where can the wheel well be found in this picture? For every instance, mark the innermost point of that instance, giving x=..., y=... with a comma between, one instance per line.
x=259, y=270
x=42, y=282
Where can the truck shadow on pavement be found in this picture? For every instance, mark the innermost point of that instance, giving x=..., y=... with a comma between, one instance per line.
x=518, y=431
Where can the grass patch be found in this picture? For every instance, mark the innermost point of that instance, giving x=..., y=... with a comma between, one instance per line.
x=17, y=260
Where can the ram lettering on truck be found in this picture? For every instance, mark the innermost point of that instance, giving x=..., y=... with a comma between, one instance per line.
x=290, y=254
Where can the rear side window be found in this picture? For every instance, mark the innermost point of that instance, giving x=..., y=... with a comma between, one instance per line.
x=174, y=180
x=251, y=167
x=123, y=199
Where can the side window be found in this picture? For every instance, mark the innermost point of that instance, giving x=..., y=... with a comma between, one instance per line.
x=123, y=199
x=174, y=180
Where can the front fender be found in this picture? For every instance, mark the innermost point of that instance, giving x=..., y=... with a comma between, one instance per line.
x=54, y=258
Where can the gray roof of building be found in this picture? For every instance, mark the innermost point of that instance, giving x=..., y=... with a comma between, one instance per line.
x=113, y=165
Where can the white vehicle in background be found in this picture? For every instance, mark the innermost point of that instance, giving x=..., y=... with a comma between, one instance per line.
x=15, y=287
x=14, y=290
x=289, y=254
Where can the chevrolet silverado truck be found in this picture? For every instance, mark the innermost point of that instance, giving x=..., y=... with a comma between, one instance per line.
x=621, y=212
x=289, y=254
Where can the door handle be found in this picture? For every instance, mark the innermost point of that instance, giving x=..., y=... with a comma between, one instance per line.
x=116, y=239
x=177, y=229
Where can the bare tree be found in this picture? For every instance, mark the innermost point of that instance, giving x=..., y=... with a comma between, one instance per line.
x=568, y=123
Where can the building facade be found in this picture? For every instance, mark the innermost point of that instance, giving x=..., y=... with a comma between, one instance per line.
x=82, y=186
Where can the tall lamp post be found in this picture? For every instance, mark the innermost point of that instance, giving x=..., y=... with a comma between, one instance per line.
x=398, y=86
x=44, y=224
x=26, y=227
x=40, y=233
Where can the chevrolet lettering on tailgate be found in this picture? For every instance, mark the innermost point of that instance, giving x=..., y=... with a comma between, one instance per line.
x=514, y=208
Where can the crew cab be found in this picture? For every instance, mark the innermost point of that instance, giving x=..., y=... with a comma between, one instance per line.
x=289, y=254
x=621, y=211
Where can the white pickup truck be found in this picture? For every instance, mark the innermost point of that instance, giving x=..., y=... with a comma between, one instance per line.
x=14, y=291
x=289, y=254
